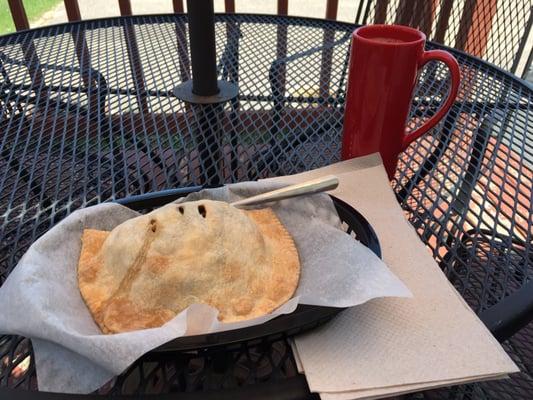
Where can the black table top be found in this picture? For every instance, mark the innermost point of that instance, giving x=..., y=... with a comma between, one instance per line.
x=88, y=114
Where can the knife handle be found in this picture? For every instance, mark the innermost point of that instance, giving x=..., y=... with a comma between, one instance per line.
x=328, y=182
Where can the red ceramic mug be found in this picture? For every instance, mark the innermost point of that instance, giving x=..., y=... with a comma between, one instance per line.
x=384, y=64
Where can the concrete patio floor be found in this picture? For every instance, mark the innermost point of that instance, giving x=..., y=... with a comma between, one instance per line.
x=105, y=8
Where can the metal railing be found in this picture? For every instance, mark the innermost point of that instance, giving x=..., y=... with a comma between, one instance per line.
x=494, y=31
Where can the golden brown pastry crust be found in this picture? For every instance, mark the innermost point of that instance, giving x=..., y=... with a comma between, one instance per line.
x=150, y=268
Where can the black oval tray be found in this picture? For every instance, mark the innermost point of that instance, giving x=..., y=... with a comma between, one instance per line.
x=305, y=317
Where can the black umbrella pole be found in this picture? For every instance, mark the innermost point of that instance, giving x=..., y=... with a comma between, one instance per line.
x=204, y=93
x=203, y=49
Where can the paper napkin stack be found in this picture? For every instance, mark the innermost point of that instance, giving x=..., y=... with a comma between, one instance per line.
x=393, y=346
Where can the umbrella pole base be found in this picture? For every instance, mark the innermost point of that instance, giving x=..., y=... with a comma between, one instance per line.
x=227, y=91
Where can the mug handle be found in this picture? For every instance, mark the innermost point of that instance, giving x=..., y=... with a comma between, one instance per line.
x=453, y=66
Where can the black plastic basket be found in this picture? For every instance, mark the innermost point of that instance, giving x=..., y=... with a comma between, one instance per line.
x=305, y=317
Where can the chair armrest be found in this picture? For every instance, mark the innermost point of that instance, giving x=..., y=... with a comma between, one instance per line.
x=511, y=314
x=281, y=62
x=96, y=75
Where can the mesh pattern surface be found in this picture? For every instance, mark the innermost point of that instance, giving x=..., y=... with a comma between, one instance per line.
x=87, y=114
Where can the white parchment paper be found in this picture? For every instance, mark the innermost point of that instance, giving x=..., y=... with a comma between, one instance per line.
x=41, y=299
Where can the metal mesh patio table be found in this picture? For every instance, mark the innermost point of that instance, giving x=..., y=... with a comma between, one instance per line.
x=88, y=113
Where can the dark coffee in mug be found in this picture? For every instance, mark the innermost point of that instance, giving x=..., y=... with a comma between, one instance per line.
x=387, y=40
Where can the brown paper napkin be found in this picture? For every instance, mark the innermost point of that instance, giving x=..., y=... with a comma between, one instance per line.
x=392, y=346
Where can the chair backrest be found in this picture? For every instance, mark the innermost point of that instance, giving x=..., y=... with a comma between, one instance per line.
x=496, y=31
